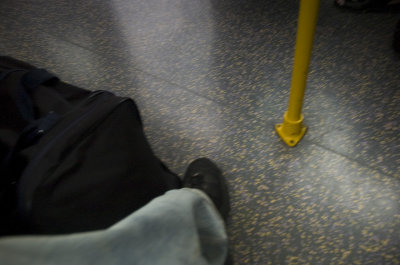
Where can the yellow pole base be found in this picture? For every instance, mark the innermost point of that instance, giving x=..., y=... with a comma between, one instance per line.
x=290, y=131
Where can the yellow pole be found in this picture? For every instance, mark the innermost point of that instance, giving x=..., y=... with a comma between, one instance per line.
x=292, y=129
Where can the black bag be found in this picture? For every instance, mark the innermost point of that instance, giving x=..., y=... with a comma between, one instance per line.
x=72, y=160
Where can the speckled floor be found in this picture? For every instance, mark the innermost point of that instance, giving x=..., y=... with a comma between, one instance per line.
x=211, y=78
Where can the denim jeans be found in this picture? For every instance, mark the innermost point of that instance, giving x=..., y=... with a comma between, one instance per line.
x=180, y=227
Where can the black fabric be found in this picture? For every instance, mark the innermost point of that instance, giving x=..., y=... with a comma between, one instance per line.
x=71, y=159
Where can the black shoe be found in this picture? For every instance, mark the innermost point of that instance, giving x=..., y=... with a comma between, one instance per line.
x=204, y=175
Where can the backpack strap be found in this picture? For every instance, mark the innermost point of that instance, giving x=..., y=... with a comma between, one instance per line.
x=36, y=127
x=10, y=166
x=3, y=75
x=30, y=81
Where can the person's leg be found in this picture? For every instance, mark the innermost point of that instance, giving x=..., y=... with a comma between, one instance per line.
x=181, y=227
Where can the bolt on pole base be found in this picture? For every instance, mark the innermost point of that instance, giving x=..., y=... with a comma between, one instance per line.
x=291, y=132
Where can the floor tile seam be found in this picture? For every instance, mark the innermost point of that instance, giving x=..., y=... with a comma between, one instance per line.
x=348, y=157
x=87, y=49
